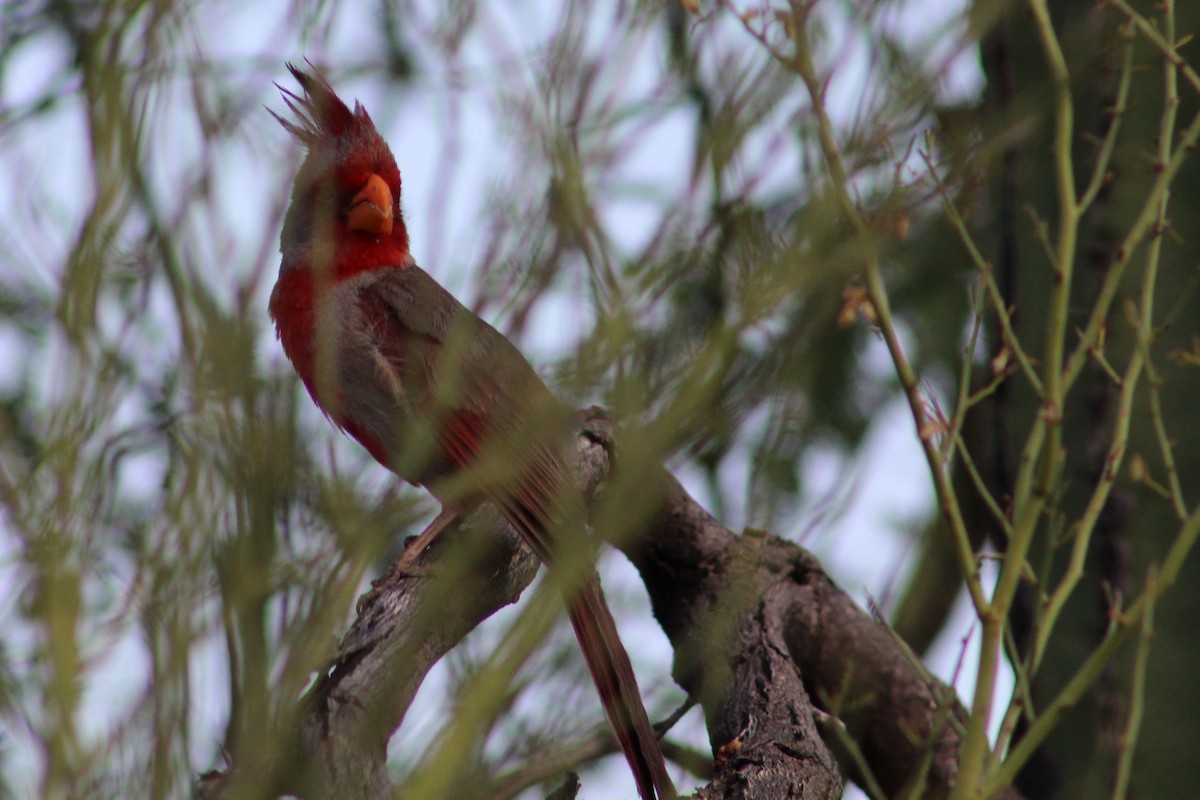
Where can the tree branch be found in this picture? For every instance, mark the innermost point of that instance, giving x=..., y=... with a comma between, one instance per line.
x=762, y=637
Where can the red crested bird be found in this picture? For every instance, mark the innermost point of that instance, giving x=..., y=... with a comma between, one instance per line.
x=434, y=393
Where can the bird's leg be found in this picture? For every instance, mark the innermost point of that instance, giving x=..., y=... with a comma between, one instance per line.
x=417, y=546
x=403, y=567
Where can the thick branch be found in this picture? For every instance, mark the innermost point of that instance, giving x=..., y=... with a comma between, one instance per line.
x=762, y=637
x=698, y=573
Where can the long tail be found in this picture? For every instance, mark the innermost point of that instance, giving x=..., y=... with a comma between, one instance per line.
x=530, y=509
x=613, y=675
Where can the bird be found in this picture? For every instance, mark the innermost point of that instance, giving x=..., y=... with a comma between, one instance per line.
x=433, y=392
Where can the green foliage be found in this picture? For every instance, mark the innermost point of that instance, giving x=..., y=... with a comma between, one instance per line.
x=717, y=244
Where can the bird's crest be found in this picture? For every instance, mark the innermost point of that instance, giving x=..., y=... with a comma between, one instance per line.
x=320, y=113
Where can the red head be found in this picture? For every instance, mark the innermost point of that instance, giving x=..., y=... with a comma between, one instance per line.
x=345, y=208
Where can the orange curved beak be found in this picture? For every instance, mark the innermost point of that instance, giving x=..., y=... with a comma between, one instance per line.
x=371, y=209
